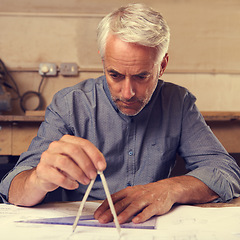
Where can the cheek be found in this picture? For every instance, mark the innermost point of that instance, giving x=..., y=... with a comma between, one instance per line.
x=148, y=93
x=114, y=88
x=148, y=89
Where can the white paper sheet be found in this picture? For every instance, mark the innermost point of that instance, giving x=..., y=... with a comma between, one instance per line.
x=181, y=223
x=194, y=223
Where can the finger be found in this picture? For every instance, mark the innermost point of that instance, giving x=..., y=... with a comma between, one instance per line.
x=63, y=181
x=74, y=153
x=65, y=164
x=104, y=214
x=90, y=149
x=50, y=179
x=156, y=208
x=104, y=207
x=101, y=209
x=146, y=214
x=131, y=210
x=71, y=169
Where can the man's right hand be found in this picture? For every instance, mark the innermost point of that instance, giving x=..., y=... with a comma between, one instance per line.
x=65, y=163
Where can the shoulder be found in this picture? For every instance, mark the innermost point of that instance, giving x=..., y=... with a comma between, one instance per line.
x=84, y=87
x=77, y=96
x=172, y=90
x=172, y=87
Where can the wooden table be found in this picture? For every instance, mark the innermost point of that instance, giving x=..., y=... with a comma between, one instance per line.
x=16, y=132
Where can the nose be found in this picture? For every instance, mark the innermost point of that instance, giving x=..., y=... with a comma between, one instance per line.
x=127, y=89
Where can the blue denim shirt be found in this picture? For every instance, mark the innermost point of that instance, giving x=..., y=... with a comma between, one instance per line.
x=139, y=149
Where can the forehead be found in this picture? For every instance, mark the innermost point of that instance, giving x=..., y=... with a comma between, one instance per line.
x=122, y=56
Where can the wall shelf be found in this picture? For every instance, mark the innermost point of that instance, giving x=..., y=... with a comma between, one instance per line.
x=17, y=131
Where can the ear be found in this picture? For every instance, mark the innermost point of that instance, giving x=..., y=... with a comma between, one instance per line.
x=164, y=64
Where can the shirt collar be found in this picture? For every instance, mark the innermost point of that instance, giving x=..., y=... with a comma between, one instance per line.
x=144, y=112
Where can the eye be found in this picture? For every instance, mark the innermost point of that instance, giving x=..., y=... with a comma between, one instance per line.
x=141, y=77
x=115, y=75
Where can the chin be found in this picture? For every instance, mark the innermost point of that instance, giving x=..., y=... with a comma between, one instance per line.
x=130, y=113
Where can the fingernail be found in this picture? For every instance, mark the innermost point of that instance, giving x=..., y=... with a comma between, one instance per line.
x=102, y=219
x=86, y=181
x=75, y=185
x=101, y=166
x=92, y=174
x=120, y=219
x=136, y=220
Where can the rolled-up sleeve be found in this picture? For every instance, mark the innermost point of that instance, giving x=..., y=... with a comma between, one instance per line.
x=205, y=157
x=46, y=134
x=6, y=182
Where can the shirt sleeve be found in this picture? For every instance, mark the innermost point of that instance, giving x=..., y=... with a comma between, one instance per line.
x=205, y=157
x=53, y=128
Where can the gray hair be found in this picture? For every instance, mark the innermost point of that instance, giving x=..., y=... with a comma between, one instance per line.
x=135, y=23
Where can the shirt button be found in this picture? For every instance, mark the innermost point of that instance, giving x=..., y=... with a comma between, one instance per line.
x=130, y=153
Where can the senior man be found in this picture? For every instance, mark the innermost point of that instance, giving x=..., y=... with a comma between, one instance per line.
x=129, y=124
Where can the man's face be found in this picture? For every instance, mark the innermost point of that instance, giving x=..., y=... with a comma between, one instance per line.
x=132, y=73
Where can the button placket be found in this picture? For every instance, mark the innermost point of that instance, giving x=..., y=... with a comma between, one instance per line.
x=130, y=153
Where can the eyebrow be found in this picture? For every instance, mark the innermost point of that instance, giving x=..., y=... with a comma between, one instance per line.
x=113, y=71
x=143, y=74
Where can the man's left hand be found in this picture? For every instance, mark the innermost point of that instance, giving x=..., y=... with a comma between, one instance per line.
x=138, y=203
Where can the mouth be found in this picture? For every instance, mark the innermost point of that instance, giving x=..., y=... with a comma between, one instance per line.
x=129, y=103
x=132, y=105
x=129, y=108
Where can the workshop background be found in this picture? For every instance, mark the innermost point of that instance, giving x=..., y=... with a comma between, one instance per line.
x=46, y=45
x=204, y=50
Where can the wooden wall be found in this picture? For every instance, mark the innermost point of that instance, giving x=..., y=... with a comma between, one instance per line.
x=204, y=50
